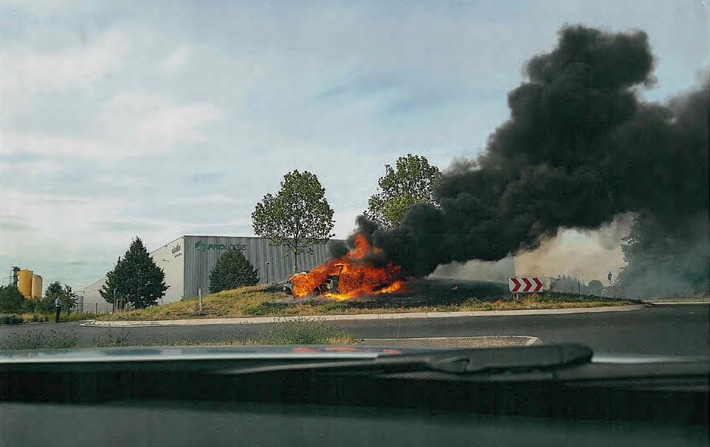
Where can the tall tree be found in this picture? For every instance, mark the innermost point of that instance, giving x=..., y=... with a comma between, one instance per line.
x=411, y=181
x=11, y=300
x=69, y=298
x=135, y=279
x=297, y=217
x=232, y=270
x=53, y=291
x=110, y=290
x=56, y=290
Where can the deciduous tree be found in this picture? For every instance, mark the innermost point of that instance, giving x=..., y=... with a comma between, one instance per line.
x=411, y=181
x=297, y=217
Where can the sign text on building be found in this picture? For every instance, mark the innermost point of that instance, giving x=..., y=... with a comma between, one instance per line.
x=202, y=246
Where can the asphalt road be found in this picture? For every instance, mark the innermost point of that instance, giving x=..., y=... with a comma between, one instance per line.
x=666, y=330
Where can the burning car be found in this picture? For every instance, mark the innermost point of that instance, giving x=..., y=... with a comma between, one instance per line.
x=288, y=286
x=360, y=272
x=329, y=284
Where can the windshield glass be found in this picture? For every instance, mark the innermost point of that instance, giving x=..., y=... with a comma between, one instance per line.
x=360, y=174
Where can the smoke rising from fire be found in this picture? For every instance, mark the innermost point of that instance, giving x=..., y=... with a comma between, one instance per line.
x=580, y=148
x=585, y=255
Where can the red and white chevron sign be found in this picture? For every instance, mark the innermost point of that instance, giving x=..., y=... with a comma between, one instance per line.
x=525, y=285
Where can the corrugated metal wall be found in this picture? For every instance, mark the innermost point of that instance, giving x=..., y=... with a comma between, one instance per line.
x=92, y=299
x=202, y=252
x=169, y=257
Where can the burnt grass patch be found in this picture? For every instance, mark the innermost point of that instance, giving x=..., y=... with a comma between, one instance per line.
x=417, y=294
x=435, y=294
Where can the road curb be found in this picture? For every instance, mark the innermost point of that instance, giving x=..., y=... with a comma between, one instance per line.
x=676, y=303
x=482, y=341
x=356, y=317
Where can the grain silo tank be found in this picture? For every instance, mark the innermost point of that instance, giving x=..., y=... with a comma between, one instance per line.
x=36, y=286
x=24, y=282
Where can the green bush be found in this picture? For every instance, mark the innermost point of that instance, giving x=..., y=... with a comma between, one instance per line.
x=45, y=304
x=10, y=319
x=11, y=300
x=23, y=318
x=231, y=271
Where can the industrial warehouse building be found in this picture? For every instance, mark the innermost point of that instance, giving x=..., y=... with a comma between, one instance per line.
x=188, y=260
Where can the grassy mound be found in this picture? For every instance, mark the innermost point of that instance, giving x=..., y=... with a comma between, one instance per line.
x=421, y=296
x=225, y=304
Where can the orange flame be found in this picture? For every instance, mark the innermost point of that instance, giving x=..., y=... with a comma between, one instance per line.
x=350, y=276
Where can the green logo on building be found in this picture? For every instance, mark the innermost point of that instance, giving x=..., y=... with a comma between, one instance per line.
x=202, y=246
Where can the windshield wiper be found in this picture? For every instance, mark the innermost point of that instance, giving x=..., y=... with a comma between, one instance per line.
x=459, y=361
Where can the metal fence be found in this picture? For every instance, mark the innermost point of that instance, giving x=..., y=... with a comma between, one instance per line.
x=94, y=308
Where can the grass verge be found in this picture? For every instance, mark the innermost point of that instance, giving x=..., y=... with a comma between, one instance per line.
x=38, y=317
x=39, y=339
x=304, y=331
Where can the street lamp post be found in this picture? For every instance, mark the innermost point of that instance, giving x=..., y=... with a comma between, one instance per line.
x=267, y=272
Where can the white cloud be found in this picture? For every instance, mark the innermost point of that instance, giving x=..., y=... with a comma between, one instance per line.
x=141, y=123
x=211, y=198
x=28, y=71
x=17, y=144
x=177, y=59
x=42, y=8
x=130, y=125
x=54, y=213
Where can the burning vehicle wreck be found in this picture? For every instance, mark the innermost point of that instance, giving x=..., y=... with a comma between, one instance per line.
x=362, y=271
x=329, y=284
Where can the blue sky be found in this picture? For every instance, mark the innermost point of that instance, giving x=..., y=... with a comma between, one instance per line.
x=159, y=119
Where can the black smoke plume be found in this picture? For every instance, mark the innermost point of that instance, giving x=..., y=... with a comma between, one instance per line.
x=366, y=228
x=579, y=148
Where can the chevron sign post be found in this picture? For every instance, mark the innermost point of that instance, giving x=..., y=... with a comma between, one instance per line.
x=525, y=285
